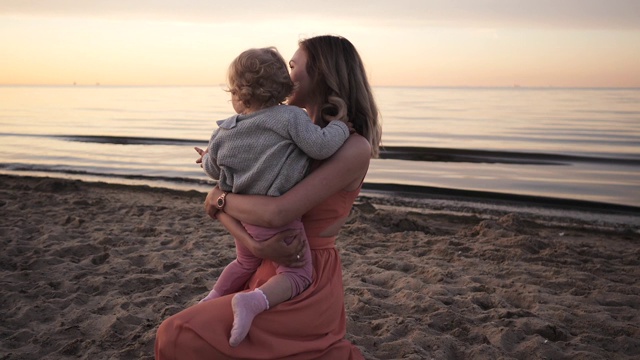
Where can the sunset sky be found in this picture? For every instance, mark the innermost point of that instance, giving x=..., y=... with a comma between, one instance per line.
x=573, y=43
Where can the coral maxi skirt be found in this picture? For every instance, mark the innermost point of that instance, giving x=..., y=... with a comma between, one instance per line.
x=310, y=326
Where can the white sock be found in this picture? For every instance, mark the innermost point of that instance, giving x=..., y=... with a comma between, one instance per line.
x=245, y=308
x=212, y=295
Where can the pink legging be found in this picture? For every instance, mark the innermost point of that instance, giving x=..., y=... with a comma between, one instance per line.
x=238, y=272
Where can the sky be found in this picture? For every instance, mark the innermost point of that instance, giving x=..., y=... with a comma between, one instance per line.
x=558, y=43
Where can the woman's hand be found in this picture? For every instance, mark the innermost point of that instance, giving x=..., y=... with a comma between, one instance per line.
x=285, y=248
x=210, y=202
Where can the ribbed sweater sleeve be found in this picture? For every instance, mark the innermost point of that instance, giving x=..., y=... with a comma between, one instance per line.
x=318, y=143
x=210, y=167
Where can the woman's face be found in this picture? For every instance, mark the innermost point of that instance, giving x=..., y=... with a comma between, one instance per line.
x=300, y=78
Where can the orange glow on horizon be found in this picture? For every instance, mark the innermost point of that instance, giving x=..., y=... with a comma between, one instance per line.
x=88, y=51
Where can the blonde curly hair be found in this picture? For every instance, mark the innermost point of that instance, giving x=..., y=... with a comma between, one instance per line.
x=259, y=78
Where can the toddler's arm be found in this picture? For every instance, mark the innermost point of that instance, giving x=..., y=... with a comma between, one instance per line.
x=318, y=143
x=208, y=163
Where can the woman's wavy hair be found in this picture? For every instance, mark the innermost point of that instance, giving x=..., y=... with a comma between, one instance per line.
x=259, y=77
x=339, y=80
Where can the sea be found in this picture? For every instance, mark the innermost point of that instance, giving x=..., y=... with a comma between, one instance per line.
x=558, y=144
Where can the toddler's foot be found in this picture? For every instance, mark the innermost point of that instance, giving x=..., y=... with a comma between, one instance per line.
x=245, y=307
x=212, y=295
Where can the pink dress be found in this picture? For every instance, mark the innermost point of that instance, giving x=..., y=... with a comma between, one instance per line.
x=310, y=326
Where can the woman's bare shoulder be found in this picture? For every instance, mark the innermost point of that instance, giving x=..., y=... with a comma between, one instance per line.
x=352, y=161
x=356, y=146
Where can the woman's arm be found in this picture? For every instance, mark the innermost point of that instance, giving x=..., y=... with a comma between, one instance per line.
x=275, y=248
x=344, y=170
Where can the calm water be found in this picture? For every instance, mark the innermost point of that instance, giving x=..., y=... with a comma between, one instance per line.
x=579, y=144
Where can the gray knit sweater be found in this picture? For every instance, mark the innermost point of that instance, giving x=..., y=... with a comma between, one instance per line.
x=269, y=151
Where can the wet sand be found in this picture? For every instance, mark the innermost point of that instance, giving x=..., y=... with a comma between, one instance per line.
x=89, y=270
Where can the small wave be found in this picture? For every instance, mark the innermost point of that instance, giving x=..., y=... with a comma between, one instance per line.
x=404, y=153
x=487, y=156
x=119, y=140
x=399, y=152
x=411, y=191
x=58, y=170
x=127, y=140
x=408, y=153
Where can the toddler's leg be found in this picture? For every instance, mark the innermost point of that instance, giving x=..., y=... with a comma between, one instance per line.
x=234, y=277
x=246, y=306
x=299, y=278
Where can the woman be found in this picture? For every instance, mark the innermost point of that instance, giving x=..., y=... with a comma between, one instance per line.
x=330, y=83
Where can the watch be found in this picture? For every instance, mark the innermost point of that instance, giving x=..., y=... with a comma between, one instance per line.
x=221, y=201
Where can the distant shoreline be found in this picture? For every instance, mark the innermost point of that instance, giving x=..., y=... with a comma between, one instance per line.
x=429, y=199
x=496, y=204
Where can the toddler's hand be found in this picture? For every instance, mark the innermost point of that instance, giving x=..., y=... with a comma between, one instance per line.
x=347, y=122
x=201, y=152
x=350, y=126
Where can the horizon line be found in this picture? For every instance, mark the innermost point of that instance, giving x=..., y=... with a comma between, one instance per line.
x=98, y=85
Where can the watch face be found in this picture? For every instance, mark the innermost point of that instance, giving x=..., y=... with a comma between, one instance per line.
x=220, y=203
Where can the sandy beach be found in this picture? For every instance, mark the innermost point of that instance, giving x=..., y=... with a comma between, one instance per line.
x=89, y=271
